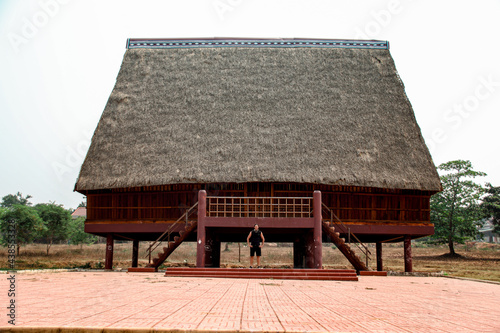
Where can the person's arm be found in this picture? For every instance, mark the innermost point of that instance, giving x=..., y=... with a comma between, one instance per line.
x=248, y=239
x=263, y=240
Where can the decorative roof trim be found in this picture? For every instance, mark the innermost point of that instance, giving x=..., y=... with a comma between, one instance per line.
x=136, y=43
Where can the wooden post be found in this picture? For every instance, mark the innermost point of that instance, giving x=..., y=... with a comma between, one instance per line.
x=135, y=252
x=299, y=254
x=149, y=253
x=216, y=252
x=318, y=250
x=202, y=213
x=309, y=248
x=408, y=256
x=379, y=257
x=212, y=249
x=109, y=252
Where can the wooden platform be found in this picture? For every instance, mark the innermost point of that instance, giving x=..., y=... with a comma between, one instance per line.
x=142, y=270
x=372, y=273
x=266, y=273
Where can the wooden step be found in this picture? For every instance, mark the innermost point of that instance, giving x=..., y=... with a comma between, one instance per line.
x=281, y=277
x=142, y=270
x=264, y=273
x=373, y=273
x=303, y=270
x=256, y=272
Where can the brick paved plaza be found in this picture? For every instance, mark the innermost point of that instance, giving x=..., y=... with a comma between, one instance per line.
x=151, y=302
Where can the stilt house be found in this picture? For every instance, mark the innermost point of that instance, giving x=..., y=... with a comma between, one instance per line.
x=314, y=140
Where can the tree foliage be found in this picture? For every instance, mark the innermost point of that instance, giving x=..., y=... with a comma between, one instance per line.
x=456, y=210
x=77, y=235
x=27, y=224
x=56, y=220
x=15, y=199
x=491, y=205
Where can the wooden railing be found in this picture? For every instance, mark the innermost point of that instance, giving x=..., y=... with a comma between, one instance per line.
x=337, y=223
x=166, y=235
x=287, y=207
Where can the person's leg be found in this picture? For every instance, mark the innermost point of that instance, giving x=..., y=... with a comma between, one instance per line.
x=252, y=253
x=258, y=260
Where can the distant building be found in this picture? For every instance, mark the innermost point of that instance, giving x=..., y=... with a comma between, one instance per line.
x=488, y=234
x=79, y=212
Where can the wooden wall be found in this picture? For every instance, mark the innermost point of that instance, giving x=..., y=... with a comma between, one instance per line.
x=169, y=202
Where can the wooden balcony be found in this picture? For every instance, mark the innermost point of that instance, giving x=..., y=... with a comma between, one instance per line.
x=260, y=207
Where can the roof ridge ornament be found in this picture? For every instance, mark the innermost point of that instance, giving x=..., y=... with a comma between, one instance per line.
x=141, y=43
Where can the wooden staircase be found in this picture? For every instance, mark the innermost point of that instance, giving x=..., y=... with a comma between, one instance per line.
x=171, y=246
x=265, y=273
x=185, y=231
x=329, y=229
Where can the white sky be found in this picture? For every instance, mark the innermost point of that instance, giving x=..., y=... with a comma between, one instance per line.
x=59, y=61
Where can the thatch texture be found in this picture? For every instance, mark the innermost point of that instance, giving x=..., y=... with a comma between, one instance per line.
x=238, y=114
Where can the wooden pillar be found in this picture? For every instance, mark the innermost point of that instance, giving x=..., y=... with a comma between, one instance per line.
x=208, y=248
x=212, y=248
x=408, y=256
x=318, y=249
x=309, y=248
x=201, y=237
x=216, y=253
x=135, y=252
x=299, y=254
x=109, y=252
x=380, y=266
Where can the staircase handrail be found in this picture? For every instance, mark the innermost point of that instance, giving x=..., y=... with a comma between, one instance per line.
x=365, y=249
x=160, y=239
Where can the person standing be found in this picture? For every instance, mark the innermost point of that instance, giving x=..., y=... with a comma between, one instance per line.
x=253, y=241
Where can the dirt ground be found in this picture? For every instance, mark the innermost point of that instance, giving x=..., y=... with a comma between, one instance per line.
x=478, y=261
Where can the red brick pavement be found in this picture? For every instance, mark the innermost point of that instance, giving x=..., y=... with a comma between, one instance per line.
x=150, y=301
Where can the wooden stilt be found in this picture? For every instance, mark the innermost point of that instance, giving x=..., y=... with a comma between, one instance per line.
x=309, y=240
x=408, y=256
x=379, y=257
x=299, y=253
x=109, y=252
x=135, y=253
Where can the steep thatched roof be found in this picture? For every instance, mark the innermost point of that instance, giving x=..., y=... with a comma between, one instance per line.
x=283, y=111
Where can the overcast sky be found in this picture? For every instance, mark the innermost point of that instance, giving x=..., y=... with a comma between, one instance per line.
x=59, y=60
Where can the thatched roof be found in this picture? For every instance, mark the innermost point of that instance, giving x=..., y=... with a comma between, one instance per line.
x=309, y=113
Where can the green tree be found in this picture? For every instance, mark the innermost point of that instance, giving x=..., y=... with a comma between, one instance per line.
x=456, y=210
x=15, y=199
x=491, y=205
x=26, y=222
x=56, y=220
x=82, y=204
x=77, y=234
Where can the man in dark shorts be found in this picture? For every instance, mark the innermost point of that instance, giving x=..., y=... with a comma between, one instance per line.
x=253, y=241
